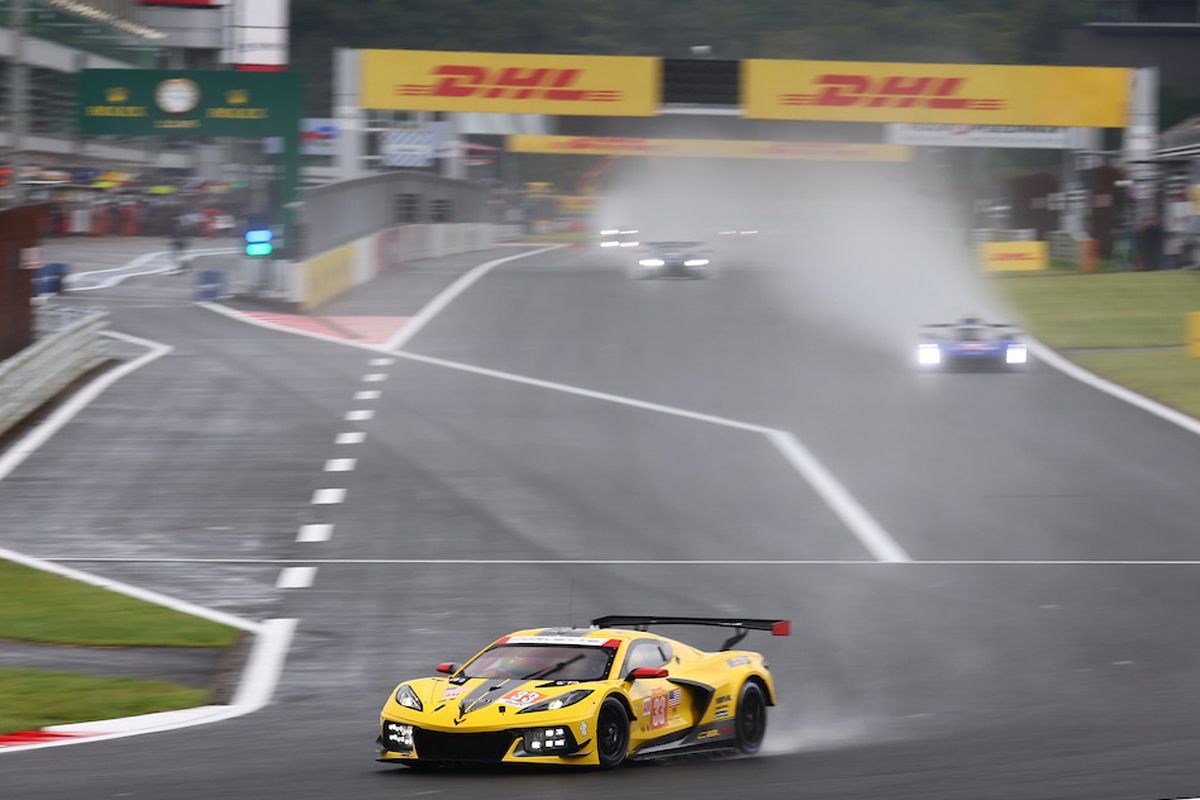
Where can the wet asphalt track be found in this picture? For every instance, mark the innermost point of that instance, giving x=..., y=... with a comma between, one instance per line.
x=924, y=680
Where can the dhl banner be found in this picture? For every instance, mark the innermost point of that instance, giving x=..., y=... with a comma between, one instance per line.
x=974, y=94
x=1014, y=256
x=707, y=148
x=510, y=83
x=1193, y=323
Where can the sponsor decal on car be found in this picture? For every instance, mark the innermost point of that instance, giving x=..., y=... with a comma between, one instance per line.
x=452, y=692
x=675, y=697
x=658, y=711
x=721, y=714
x=521, y=698
x=738, y=661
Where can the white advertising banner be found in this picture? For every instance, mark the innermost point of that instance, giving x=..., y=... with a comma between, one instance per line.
x=1026, y=136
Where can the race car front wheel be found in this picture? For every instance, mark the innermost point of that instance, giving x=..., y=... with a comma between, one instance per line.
x=612, y=733
x=751, y=720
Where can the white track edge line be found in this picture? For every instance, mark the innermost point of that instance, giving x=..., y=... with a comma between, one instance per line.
x=853, y=515
x=136, y=592
x=1073, y=370
x=255, y=690
x=448, y=295
x=652, y=562
x=27, y=444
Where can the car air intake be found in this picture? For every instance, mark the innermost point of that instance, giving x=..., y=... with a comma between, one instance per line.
x=483, y=748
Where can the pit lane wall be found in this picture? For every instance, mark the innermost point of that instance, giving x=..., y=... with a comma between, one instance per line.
x=350, y=231
x=322, y=277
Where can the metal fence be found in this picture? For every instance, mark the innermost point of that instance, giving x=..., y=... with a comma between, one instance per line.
x=338, y=213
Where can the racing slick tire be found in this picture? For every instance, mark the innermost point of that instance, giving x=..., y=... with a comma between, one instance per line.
x=750, y=722
x=612, y=734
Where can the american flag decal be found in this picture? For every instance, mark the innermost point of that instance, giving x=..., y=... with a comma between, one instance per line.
x=675, y=698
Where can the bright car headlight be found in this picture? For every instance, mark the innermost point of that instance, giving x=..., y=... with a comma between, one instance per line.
x=696, y=262
x=1016, y=354
x=609, y=232
x=651, y=262
x=406, y=697
x=630, y=244
x=610, y=243
x=555, y=703
x=929, y=354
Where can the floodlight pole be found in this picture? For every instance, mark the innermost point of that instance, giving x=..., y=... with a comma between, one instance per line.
x=16, y=92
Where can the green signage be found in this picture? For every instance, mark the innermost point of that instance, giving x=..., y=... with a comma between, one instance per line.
x=144, y=102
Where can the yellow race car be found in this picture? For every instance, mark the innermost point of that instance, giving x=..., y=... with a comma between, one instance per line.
x=587, y=697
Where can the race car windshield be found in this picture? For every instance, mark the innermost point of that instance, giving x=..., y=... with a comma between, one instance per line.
x=552, y=662
x=971, y=335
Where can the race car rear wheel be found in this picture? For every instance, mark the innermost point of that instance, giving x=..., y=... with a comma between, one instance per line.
x=751, y=720
x=612, y=733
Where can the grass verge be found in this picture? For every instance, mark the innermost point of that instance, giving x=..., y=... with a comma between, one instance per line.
x=1170, y=376
x=38, y=606
x=1118, y=310
x=32, y=699
x=1125, y=309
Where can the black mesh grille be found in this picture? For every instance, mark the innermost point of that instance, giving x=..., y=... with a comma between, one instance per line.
x=474, y=747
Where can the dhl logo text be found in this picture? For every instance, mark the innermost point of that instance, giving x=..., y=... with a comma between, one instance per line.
x=515, y=83
x=895, y=91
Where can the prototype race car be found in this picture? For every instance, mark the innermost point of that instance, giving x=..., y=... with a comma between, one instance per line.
x=674, y=260
x=585, y=697
x=971, y=341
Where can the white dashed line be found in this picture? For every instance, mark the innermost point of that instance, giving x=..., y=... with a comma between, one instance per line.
x=295, y=577
x=328, y=497
x=381, y=362
x=340, y=464
x=367, y=394
x=351, y=437
x=314, y=533
x=359, y=415
x=375, y=377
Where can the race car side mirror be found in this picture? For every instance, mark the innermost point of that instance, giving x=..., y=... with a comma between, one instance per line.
x=446, y=667
x=642, y=673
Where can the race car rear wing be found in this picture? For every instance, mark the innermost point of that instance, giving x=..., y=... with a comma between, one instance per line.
x=742, y=626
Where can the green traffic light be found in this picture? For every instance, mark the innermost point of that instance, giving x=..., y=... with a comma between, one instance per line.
x=259, y=249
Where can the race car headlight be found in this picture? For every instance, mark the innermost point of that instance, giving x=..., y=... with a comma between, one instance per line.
x=651, y=262
x=609, y=232
x=1016, y=354
x=397, y=737
x=696, y=262
x=555, y=703
x=406, y=697
x=929, y=354
x=610, y=243
x=630, y=244
x=626, y=233
x=548, y=741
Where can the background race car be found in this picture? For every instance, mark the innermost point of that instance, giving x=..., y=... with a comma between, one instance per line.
x=674, y=260
x=586, y=697
x=971, y=342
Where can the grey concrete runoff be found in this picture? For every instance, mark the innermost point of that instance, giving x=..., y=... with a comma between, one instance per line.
x=194, y=667
x=978, y=679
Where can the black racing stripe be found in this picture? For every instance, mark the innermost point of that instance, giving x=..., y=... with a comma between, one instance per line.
x=482, y=696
